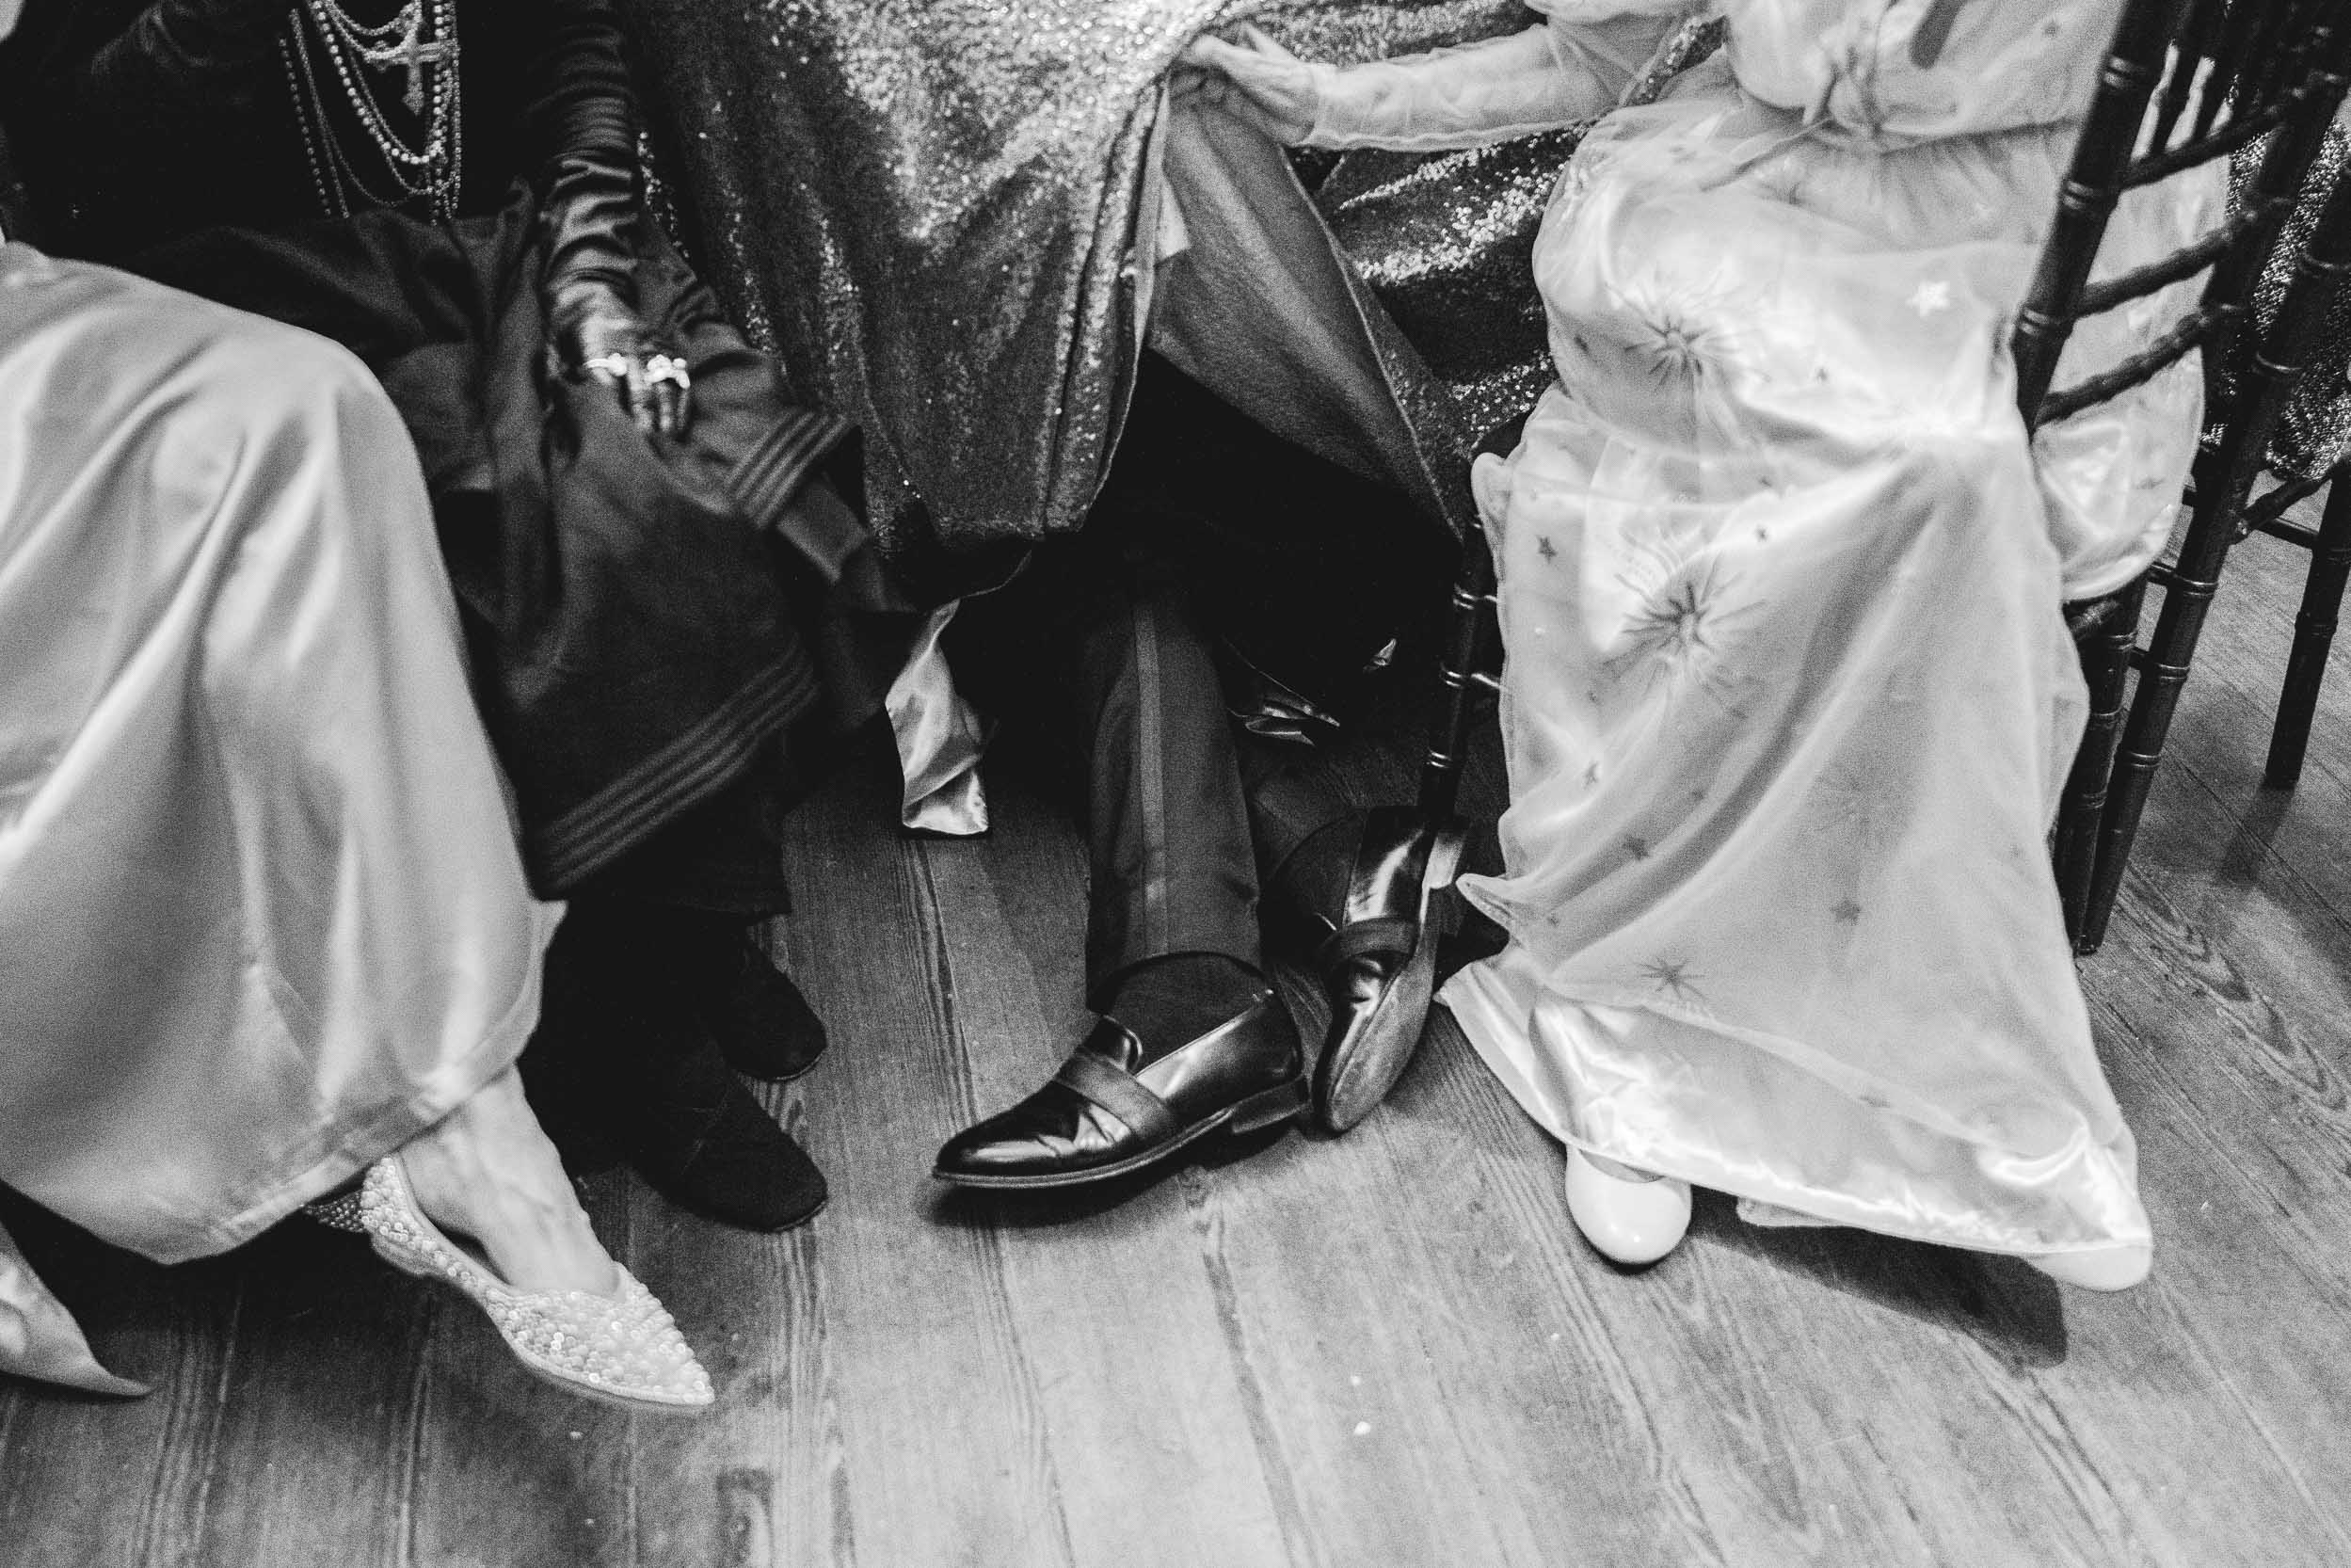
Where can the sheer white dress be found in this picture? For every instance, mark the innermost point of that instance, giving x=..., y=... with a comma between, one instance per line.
x=1788, y=694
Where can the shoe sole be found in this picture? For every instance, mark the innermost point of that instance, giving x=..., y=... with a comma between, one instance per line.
x=1268, y=1107
x=759, y=1075
x=1350, y=1085
x=703, y=1211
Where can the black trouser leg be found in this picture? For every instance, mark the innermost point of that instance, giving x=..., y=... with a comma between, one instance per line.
x=1094, y=653
x=1167, y=831
x=1209, y=527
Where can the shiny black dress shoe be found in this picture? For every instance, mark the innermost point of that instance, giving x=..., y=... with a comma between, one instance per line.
x=1108, y=1112
x=1379, y=965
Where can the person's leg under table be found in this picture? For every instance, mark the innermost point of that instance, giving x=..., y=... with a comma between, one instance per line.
x=1304, y=572
x=1099, y=645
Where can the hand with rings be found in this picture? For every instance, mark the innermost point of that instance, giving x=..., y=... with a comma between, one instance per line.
x=598, y=334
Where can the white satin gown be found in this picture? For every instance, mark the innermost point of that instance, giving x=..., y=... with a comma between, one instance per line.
x=263, y=918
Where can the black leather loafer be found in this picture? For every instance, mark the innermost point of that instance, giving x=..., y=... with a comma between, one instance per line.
x=1378, y=966
x=1108, y=1112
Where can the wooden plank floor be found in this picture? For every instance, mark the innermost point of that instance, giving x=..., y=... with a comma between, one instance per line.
x=1388, y=1349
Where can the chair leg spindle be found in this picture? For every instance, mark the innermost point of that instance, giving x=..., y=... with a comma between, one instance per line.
x=2177, y=631
x=1466, y=642
x=2106, y=667
x=2314, y=636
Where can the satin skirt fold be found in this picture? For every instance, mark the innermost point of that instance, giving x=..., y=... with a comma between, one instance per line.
x=262, y=917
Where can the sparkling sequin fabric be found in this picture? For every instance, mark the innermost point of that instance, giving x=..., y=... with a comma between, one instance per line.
x=2315, y=430
x=1446, y=242
x=928, y=209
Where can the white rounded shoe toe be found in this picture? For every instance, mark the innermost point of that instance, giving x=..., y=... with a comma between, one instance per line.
x=1632, y=1220
x=2103, y=1269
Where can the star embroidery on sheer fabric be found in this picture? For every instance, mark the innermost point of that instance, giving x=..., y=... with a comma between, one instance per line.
x=1672, y=978
x=1638, y=848
x=1676, y=331
x=1848, y=912
x=1545, y=547
x=1680, y=631
x=1591, y=775
x=1931, y=297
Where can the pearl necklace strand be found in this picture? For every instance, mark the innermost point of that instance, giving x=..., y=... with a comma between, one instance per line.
x=421, y=42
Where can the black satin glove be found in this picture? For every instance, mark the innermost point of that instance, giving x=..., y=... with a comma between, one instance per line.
x=596, y=333
x=583, y=124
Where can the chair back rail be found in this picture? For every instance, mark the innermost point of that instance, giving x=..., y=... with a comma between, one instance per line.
x=2186, y=82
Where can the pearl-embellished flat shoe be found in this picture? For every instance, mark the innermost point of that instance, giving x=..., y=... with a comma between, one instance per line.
x=1631, y=1219
x=622, y=1349
x=2101, y=1269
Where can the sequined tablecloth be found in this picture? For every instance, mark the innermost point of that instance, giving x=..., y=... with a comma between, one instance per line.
x=2315, y=432
x=927, y=209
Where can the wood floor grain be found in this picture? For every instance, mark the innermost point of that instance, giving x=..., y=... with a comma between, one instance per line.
x=1387, y=1349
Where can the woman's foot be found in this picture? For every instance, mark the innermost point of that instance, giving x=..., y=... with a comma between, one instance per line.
x=487, y=1172
x=618, y=1345
x=1630, y=1217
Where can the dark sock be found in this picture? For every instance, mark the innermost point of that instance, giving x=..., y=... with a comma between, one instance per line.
x=1168, y=1001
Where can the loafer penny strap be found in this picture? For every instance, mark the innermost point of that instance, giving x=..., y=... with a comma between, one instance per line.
x=1121, y=1095
x=1391, y=936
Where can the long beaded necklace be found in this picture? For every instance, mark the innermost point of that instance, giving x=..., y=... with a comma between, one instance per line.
x=420, y=40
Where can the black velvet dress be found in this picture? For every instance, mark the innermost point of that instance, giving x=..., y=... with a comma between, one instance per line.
x=639, y=607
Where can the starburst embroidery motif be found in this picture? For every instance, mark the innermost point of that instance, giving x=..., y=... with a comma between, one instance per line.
x=1680, y=630
x=1931, y=297
x=1679, y=349
x=1638, y=848
x=1545, y=547
x=1591, y=775
x=1848, y=912
x=1675, y=329
x=1672, y=978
